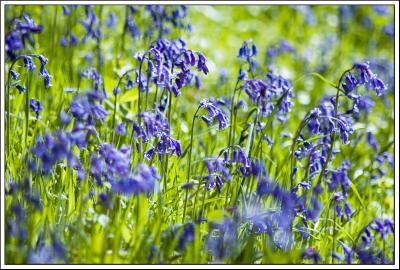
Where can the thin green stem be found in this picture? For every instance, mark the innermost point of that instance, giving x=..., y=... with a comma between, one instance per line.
x=115, y=99
x=189, y=163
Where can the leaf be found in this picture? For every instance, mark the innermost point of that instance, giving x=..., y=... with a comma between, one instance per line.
x=323, y=79
x=128, y=96
x=357, y=194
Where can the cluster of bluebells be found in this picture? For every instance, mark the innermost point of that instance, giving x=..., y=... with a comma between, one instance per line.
x=21, y=33
x=87, y=108
x=130, y=23
x=53, y=149
x=154, y=125
x=18, y=223
x=214, y=112
x=368, y=250
x=170, y=65
x=91, y=23
x=69, y=39
x=35, y=106
x=163, y=16
x=247, y=52
x=276, y=222
x=218, y=172
x=30, y=66
x=267, y=92
x=113, y=165
x=282, y=47
x=222, y=239
x=361, y=74
x=325, y=119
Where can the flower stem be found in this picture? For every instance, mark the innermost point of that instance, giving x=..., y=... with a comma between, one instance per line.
x=189, y=163
x=333, y=133
x=115, y=100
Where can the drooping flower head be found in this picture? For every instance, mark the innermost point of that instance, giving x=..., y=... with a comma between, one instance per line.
x=214, y=112
x=20, y=33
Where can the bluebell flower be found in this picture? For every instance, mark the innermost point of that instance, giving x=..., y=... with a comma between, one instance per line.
x=372, y=141
x=21, y=89
x=120, y=129
x=166, y=145
x=222, y=238
x=214, y=112
x=63, y=42
x=21, y=31
x=201, y=63
x=105, y=200
x=348, y=211
x=42, y=255
x=155, y=125
x=112, y=20
x=129, y=84
x=363, y=76
x=47, y=77
x=132, y=27
x=266, y=92
x=28, y=63
x=53, y=149
x=218, y=173
x=348, y=252
x=142, y=181
x=310, y=253
x=198, y=82
x=14, y=75
x=187, y=235
x=91, y=25
x=35, y=106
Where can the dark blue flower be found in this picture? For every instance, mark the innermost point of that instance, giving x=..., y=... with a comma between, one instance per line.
x=21, y=89
x=142, y=181
x=214, y=112
x=120, y=129
x=112, y=20
x=28, y=63
x=21, y=32
x=348, y=253
x=187, y=235
x=35, y=106
x=310, y=253
x=372, y=141
x=14, y=75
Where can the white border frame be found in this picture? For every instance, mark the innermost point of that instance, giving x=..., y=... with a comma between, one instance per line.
x=100, y=266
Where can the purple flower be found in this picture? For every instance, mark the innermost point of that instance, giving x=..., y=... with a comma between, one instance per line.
x=372, y=141
x=53, y=149
x=310, y=253
x=187, y=235
x=198, y=82
x=214, y=112
x=21, y=89
x=347, y=210
x=28, y=63
x=348, y=253
x=142, y=181
x=35, y=106
x=132, y=27
x=363, y=76
x=166, y=145
x=120, y=129
x=112, y=20
x=14, y=75
x=21, y=32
